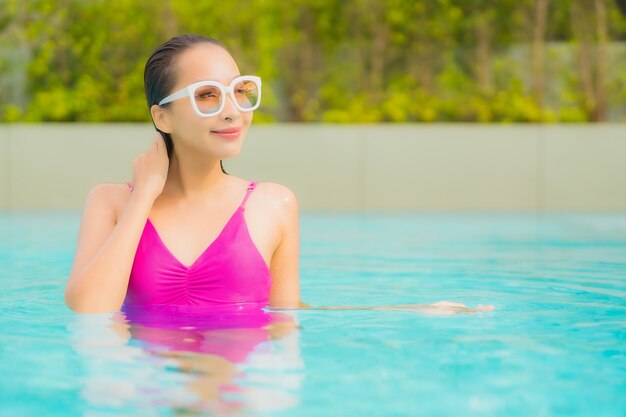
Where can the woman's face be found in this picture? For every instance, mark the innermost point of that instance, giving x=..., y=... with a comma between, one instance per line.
x=219, y=136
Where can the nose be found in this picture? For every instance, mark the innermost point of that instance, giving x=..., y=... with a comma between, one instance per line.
x=230, y=111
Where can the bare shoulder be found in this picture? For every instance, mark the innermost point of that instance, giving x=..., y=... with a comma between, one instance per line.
x=109, y=192
x=107, y=197
x=278, y=195
x=279, y=203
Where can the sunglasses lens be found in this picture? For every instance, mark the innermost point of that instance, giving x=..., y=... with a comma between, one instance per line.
x=247, y=93
x=208, y=99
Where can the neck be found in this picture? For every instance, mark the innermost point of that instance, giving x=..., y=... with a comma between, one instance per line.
x=196, y=175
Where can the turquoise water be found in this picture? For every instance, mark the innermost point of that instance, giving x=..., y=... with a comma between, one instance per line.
x=554, y=346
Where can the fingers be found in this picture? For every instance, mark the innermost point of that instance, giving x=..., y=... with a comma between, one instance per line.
x=459, y=307
x=157, y=144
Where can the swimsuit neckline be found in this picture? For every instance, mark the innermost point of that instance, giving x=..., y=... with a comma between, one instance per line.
x=203, y=253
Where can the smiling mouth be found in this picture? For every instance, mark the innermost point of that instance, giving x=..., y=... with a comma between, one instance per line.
x=231, y=133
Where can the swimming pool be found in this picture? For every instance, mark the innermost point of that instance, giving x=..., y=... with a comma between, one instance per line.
x=556, y=344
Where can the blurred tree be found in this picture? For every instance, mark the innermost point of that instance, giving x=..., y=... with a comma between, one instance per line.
x=540, y=17
x=327, y=60
x=589, y=26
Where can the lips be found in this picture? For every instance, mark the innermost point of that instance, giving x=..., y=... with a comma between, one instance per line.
x=230, y=133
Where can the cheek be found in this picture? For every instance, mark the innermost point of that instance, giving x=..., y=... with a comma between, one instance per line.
x=247, y=118
x=186, y=120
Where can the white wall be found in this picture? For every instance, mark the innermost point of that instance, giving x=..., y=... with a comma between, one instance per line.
x=347, y=167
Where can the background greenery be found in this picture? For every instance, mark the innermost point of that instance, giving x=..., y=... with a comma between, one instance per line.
x=327, y=60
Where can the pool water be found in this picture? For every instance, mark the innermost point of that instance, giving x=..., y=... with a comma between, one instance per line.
x=554, y=346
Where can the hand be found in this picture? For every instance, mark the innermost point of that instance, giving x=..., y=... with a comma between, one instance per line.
x=461, y=308
x=150, y=169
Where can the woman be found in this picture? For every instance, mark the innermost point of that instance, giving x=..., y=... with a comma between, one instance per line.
x=184, y=232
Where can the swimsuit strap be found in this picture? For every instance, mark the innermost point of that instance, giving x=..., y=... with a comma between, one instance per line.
x=251, y=187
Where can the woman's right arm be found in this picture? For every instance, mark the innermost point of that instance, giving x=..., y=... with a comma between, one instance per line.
x=106, y=245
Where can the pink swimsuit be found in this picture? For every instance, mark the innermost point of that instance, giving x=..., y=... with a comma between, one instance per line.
x=231, y=271
x=231, y=333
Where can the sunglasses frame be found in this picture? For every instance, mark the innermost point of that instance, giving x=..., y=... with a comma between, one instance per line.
x=190, y=90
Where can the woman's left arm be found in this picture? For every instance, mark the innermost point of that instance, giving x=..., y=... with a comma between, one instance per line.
x=284, y=269
x=284, y=266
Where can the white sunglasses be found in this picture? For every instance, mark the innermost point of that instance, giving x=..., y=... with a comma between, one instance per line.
x=208, y=98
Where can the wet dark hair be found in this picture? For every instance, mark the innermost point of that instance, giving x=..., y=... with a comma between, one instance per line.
x=159, y=76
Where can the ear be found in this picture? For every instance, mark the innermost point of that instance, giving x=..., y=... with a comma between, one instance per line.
x=161, y=118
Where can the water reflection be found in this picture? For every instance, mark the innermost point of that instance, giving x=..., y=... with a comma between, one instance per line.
x=190, y=360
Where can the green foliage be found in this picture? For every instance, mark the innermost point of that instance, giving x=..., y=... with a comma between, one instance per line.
x=354, y=61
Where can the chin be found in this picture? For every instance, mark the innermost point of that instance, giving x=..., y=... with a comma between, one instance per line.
x=230, y=156
x=228, y=153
